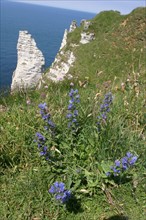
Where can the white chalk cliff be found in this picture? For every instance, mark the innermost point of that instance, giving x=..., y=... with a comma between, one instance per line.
x=86, y=37
x=30, y=60
x=30, y=63
x=63, y=61
x=73, y=26
x=64, y=40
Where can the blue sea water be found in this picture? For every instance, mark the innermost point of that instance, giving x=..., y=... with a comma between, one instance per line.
x=45, y=24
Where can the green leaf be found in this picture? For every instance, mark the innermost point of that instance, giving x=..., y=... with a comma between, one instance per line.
x=69, y=182
x=77, y=184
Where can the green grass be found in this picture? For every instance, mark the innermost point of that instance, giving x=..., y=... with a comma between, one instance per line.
x=25, y=177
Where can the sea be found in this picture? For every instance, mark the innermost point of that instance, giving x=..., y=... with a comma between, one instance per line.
x=45, y=24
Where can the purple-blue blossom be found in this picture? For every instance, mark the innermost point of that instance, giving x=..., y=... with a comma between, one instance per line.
x=43, y=106
x=44, y=151
x=133, y=160
x=69, y=115
x=59, y=191
x=123, y=164
x=40, y=137
x=72, y=109
x=117, y=163
x=104, y=109
x=46, y=117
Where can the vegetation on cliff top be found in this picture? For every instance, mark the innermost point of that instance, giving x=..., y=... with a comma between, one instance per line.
x=94, y=121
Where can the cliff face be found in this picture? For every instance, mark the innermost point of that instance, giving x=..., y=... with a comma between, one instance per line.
x=30, y=63
x=63, y=61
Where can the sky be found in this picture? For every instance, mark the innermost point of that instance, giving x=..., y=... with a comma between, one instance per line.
x=95, y=6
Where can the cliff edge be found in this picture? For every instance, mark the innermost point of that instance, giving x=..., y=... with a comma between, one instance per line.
x=30, y=63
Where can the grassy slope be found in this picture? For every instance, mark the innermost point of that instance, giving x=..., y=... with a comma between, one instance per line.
x=116, y=55
x=116, y=50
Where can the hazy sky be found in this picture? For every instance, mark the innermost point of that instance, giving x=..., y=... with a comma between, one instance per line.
x=124, y=6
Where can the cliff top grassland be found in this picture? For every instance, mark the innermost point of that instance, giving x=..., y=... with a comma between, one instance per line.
x=76, y=149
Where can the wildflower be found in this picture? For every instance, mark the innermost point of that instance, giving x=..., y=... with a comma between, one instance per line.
x=57, y=188
x=43, y=106
x=74, y=120
x=46, y=117
x=44, y=151
x=124, y=160
x=133, y=160
x=66, y=196
x=104, y=109
x=52, y=125
x=122, y=165
x=117, y=163
x=41, y=140
x=128, y=154
x=40, y=137
x=125, y=167
x=72, y=108
x=61, y=194
x=75, y=112
x=69, y=115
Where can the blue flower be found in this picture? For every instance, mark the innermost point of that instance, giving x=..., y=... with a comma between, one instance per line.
x=124, y=160
x=45, y=117
x=74, y=120
x=75, y=112
x=52, y=125
x=69, y=115
x=72, y=108
x=104, y=109
x=71, y=101
x=117, y=163
x=52, y=189
x=58, y=197
x=71, y=93
x=125, y=167
x=40, y=137
x=104, y=116
x=133, y=160
x=128, y=154
x=44, y=152
x=42, y=106
x=122, y=165
x=60, y=193
x=77, y=96
x=66, y=196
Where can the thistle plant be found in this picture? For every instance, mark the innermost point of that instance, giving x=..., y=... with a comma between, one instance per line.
x=60, y=193
x=72, y=109
x=122, y=165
